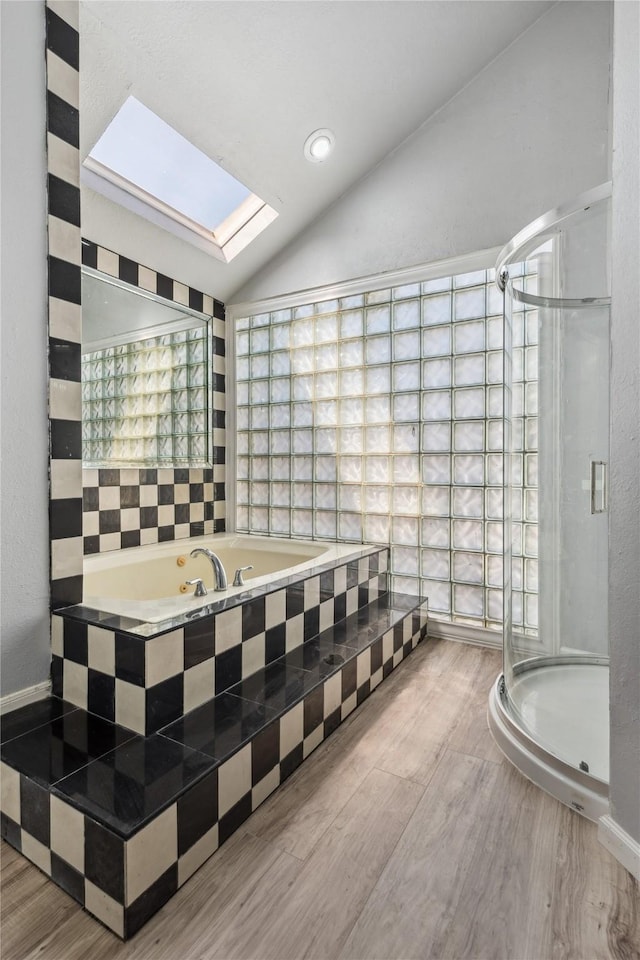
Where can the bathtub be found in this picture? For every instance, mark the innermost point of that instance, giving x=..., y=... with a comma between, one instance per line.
x=145, y=582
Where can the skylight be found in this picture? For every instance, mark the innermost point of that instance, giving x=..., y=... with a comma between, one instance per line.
x=142, y=162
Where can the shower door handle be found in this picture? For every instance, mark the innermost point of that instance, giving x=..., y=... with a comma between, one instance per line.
x=598, y=486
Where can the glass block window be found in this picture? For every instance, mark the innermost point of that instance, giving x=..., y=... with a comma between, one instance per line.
x=378, y=417
x=147, y=401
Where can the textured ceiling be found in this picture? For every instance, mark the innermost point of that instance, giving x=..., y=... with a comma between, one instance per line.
x=248, y=81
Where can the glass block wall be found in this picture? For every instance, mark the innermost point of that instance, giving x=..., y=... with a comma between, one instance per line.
x=378, y=417
x=147, y=402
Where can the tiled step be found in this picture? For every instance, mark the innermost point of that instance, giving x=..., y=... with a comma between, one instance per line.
x=121, y=821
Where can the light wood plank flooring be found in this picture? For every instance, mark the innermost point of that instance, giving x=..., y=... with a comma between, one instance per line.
x=405, y=835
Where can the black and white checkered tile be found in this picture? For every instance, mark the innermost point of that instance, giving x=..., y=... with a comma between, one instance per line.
x=123, y=879
x=145, y=683
x=65, y=323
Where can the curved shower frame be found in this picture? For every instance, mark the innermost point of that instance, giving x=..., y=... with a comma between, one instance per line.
x=518, y=737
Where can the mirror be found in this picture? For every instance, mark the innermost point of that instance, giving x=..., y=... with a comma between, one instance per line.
x=146, y=383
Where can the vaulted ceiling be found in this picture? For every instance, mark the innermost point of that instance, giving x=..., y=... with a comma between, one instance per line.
x=246, y=82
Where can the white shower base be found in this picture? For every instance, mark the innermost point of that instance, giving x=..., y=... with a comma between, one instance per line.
x=562, y=720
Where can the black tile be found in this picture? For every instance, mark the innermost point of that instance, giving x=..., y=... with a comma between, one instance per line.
x=130, y=538
x=313, y=710
x=164, y=703
x=164, y=286
x=374, y=565
x=332, y=722
x=101, y=695
x=109, y=521
x=252, y=618
x=66, y=591
x=196, y=492
x=130, y=659
x=182, y=512
x=207, y=475
x=181, y=475
x=10, y=831
x=34, y=809
x=311, y=623
x=91, y=545
x=65, y=518
x=71, y=881
x=148, y=476
x=218, y=309
x=277, y=686
x=208, y=510
x=221, y=726
x=219, y=453
x=132, y=784
x=64, y=280
x=199, y=641
x=196, y=529
x=219, y=526
x=63, y=121
x=291, y=762
x=320, y=657
x=219, y=422
x=265, y=752
x=196, y=300
x=150, y=901
x=376, y=655
x=128, y=270
x=228, y=668
x=64, y=200
x=165, y=493
x=340, y=607
x=108, y=478
x=89, y=254
x=349, y=678
x=104, y=859
x=33, y=715
x=197, y=811
x=363, y=596
x=398, y=632
x=275, y=642
x=295, y=600
x=129, y=496
x=57, y=673
x=165, y=534
x=62, y=746
x=218, y=492
x=219, y=347
x=352, y=574
x=75, y=641
x=148, y=517
x=234, y=818
x=63, y=39
x=327, y=585
x=363, y=691
x=90, y=499
x=66, y=439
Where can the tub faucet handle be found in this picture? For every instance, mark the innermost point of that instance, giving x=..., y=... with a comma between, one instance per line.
x=200, y=590
x=237, y=580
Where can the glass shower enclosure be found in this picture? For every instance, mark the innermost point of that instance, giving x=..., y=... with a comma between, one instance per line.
x=549, y=710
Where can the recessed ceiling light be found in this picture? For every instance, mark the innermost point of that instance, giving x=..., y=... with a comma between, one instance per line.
x=319, y=145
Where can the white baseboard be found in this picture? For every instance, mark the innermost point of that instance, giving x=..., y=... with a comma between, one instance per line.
x=22, y=697
x=464, y=633
x=618, y=842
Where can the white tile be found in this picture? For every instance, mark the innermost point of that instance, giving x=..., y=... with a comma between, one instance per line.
x=340, y=580
x=164, y=657
x=35, y=851
x=74, y=683
x=349, y=706
x=314, y=740
x=275, y=608
x=147, y=279
x=234, y=779
x=197, y=854
x=291, y=730
x=57, y=636
x=199, y=684
x=352, y=600
x=197, y=512
x=67, y=10
x=326, y=615
x=102, y=650
x=181, y=293
x=108, y=262
x=265, y=788
x=149, y=535
x=109, y=498
x=63, y=161
x=398, y=657
x=207, y=307
x=181, y=493
x=130, y=518
x=66, y=479
x=66, y=558
x=90, y=477
x=166, y=475
x=363, y=667
x=363, y=570
x=148, y=495
x=166, y=515
x=129, y=477
x=253, y=655
x=406, y=629
x=102, y=906
x=109, y=541
x=67, y=833
x=150, y=852
x=294, y=633
x=65, y=240
x=228, y=629
x=376, y=679
x=91, y=524
x=10, y=792
x=130, y=706
x=387, y=646
x=332, y=694
x=65, y=400
x=311, y=592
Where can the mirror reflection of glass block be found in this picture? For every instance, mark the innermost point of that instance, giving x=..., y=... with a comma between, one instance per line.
x=327, y=329
x=303, y=333
x=280, y=468
x=350, y=526
x=436, y=373
x=494, y=504
x=468, y=337
x=468, y=403
x=377, y=469
x=302, y=467
x=260, y=340
x=468, y=304
x=259, y=418
x=468, y=469
x=351, y=324
x=531, y=540
x=406, y=438
x=531, y=506
x=242, y=519
x=436, y=341
x=435, y=532
x=327, y=306
x=325, y=469
x=405, y=530
x=280, y=441
x=377, y=439
x=350, y=470
x=259, y=468
x=493, y=537
x=302, y=360
x=516, y=608
x=325, y=496
x=350, y=497
x=406, y=500
x=326, y=440
x=280, y=364
x=468, y=534
x=378, y=409
x=378, y=319
x=242, y=466
x=376, y=528
x=494, y=568
x=469, y=370
x=436, y=309
x=326, y=412
x=406, y=469
x=242, y=393
x=280, y=494
x=302, y=414
x=406, y=315
x=302, y=441
x=304, y=310
x=259, y=443
x=439, y=594
x=351, y=440
x=280, y=390
x=468, y=600
x=326, y=357
x=259, y=366
x=242, y=344
x=436, y=469
x=406, y=376
x=517, y=578
x=435, y=564
x=303, y=387
x=259, y=517
x=352, y=411
x=531, y=610
x=302, y=523
x=325, y=524
x=405, y=561
x=531, y=576
x=468, y=436
x=259, y=493
x=406, y=346
x=436, y=436
x=302, y=494
x=351, y=353
x=348, y=303
x=326, y=385
x=531, y=433
x=260, y=391
x=351, y=382
x=376, y=499
x=378, y=380
x=494, y=605
x=468, y=502
x=531, y=469
x=281, y=337
x=279, y=522
x=494, y=366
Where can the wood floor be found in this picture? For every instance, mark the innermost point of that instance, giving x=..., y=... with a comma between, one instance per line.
x=405, y=835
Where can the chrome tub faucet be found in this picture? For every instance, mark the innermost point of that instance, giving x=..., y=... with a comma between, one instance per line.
x=219, y=574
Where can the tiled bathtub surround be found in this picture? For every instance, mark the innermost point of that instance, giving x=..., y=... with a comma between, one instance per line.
x=379, y=417
x=144, y=682
x=121, y=822
x=132, y=506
